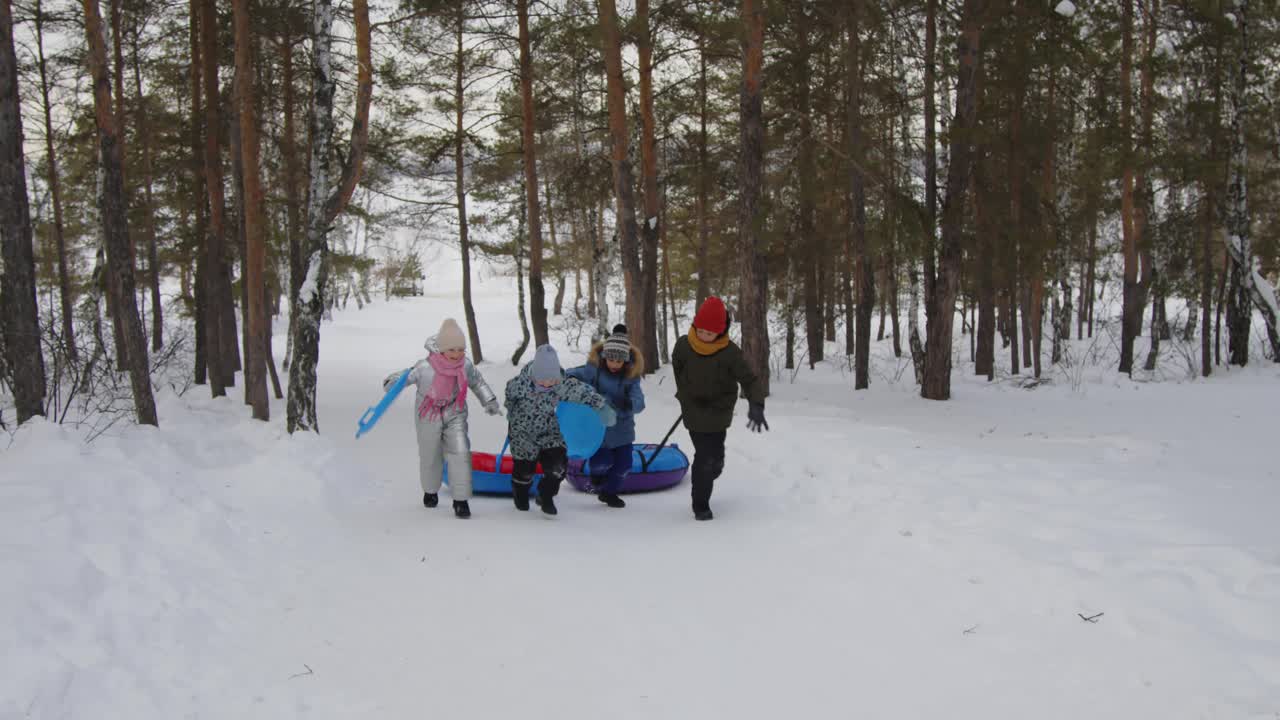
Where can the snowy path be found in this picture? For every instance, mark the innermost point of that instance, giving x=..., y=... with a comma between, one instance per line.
x=874, y=556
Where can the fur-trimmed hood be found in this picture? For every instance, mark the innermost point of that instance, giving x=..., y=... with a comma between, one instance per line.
x=634, y=367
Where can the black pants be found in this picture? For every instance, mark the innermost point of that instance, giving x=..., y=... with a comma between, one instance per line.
x=555, y=462
x=708, y=463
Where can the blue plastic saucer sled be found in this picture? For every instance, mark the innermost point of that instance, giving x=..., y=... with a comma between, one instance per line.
x=373, y=414
x=581, y=427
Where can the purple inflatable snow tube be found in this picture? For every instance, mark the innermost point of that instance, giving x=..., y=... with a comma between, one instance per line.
x=648, y=471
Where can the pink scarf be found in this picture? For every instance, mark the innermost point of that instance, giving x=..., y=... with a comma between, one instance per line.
x=447, y=373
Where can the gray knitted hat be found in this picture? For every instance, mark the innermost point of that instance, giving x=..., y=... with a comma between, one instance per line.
x=617, y=346
x=546, y=364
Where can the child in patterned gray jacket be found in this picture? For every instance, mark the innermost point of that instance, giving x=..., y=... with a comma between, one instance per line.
x=532, y=397
x=443, y=381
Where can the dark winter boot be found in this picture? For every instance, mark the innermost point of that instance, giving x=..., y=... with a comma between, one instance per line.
x=612, y=500
x=430, y=499
x=461, y=509
x=548, y=505
x=703, y=514
x=520, y=494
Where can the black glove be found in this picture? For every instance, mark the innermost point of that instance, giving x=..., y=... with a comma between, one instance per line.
x=755, y=417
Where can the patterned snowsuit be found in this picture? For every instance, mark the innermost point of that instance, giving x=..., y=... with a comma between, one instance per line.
x=535, y=431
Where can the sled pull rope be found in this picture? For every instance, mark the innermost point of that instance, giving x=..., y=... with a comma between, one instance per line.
x=644, y=464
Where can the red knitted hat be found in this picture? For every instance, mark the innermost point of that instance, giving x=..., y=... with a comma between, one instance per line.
x=712, y=316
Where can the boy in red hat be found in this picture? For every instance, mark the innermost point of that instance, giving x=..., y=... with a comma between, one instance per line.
x=709, y=367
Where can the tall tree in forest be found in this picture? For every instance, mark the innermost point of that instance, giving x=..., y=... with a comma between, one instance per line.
x=19, y=316
x=650, y=231
x=701, y=202
x=292, y=180
x=55, y=188
x=1131, y=312
x=623, y=182
x=204, y=370
x=115, y=221
x=326, y=199
x=858, y=146
x=460, y=179
x=256, y=349
x=148, y=180
x=217, y=290
x=809, y=255
x=537, y=292
x=753, y=294
x=937, y=358
x=1247, y=284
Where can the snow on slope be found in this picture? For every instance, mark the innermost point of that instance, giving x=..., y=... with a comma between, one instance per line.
x=874, y=555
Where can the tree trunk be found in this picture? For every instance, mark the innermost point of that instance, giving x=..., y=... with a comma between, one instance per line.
x=19, y=313
x=557, y=259
x=600, y=272
x=984, y=361
x=519, y=257
x=203, y=370
x=1247, y=284
x=460, y=188
x=323, y=207
x=700, y=206
x=221, y=374
x=256, y=348
x=789, y=310
x=807, y=254
x=891, y=292
x=937, y=381
x=632, y=275
x=148, y=173
x=115, y=221
x=537, y=294
x=240, y=245
x=271, y=361
x=651, y=229
x=293, y=183
x=863, y=265
x=55, y=193
x=753, y=294
x=1131, y=318
x=930, y=152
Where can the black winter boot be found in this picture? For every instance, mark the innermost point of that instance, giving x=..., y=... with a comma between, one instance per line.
x=520, y=494
x=612, y=500
x=548, y=505
x=430, y=499
x=461, y=509
x=703, y=514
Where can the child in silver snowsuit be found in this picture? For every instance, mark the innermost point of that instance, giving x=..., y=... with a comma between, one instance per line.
x=444, y=380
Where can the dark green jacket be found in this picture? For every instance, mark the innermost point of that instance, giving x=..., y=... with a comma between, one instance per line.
x=707, y=385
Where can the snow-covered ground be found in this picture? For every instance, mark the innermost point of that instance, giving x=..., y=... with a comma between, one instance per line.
x=875, y=555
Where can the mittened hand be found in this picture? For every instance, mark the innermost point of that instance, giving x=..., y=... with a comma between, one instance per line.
x=755, y=417
x=607, y=415
x=492, y=408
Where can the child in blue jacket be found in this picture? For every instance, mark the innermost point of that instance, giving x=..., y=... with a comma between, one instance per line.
x=614, y=369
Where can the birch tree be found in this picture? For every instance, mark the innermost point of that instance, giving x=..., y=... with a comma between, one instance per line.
x=326, y=198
